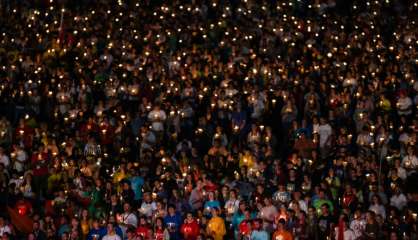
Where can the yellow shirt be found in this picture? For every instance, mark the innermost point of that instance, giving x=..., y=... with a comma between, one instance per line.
x=216, y=228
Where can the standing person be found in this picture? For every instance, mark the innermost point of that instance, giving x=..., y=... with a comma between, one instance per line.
x=358, y=224
x=312, y=224
x=111, y=234
x=258, y=232
x=37, y=231
x=137, y=181
x=173, y=221
x=127, y=219
x=190, y=228
x=372, y=229
x=196, y=196
x=216, y=226
x=325, y=222
x=4, y=228
x=281, y=232
x=342, y=231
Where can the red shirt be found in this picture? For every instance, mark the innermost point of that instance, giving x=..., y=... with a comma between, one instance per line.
x=159, y=234
x=143, y=231
x=190, y=231
x=243, y=227
x=40, y=161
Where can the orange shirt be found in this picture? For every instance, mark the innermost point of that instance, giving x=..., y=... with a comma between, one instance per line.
x=282, y=235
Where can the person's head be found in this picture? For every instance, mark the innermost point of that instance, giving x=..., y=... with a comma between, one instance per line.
x=6, y=236
x=36, y=226
x=130, y=233
x=281, y=224
x=159, y=222
x=257, y=224
x=233, y=194
x=65, y=236
x=242, y=206
x=74, y=234
x=126, y=185
x=267, y=201
x=260, y=188
x=321, y=193
x=325, y=209
x=370, y=216
x=110, y=228
x=214, y=212
x=96, y=224
x=126, y=207
x=211, y=196
x=171, y=209
x=189, y=217
x=375, y=199
x=247, y=213
x=142, y=221
x=31, y=236
x=393, y=236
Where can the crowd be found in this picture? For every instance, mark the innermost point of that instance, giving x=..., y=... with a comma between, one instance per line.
x=208, y=119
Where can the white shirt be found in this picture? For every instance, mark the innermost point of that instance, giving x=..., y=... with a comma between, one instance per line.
x=130, y=219
x=157, y=118
x=403, y=105
x=5, y=229
x=324, y=131
x=22, y=157
x=402, y=173
x=111, y=237
x=410, y=161
x=378, y=210
x=398, y=201
x=348, y=234
x=5, y=160
x=358, y=226
x=231, y=206
x=148, y=208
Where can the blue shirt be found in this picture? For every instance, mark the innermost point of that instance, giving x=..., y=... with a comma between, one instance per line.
x=212, y=204
x=136, y=184
x=100, y=232
x=176, y=221
x=259, y=235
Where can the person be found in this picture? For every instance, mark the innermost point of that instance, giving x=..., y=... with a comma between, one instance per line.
x=258, y=233
x=173, y=222
x=372, y=230
x=111, y=234
x=325, y=222
x=190, y=229
x=38, y=233
x=96, y=232
x=216, y=226
x=127, y=219
x=281, y=232
x=196, y=196
x=343, y=231
x=4, y=228
x=358, y=224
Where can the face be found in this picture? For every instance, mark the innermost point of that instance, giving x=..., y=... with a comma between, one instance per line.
x=242, y=206
x=110, y=228
x=171, y=210
x=126, y=207
x=324, y=210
